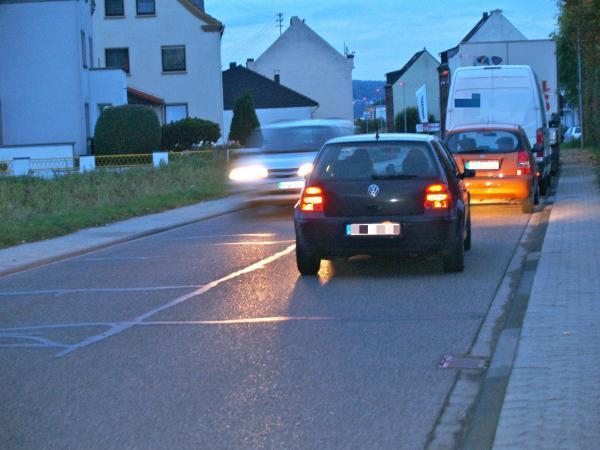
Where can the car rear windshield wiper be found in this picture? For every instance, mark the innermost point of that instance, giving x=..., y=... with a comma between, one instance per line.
x=394, y=177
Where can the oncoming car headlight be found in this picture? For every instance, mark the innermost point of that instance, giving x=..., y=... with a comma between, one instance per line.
x=305, y=170
x=248, y=173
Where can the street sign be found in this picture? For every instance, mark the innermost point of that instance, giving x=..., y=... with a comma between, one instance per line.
x=428, y=127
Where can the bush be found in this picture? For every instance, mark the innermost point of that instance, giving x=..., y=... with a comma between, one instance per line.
x=181, y=135
x=244, y=120
x=127, y=129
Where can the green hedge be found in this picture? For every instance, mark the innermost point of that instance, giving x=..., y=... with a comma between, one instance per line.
x=127, y=129
x=181, y=135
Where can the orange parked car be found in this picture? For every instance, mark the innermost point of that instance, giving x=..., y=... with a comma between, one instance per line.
x=503, y=161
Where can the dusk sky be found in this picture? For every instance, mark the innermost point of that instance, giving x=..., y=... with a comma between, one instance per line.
x=384, y=34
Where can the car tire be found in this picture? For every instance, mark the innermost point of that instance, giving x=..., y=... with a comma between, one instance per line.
x=467, y=243
x=307, y=264
x=536, y=195
x=542, y=184
x=528, y=204
x=455, y=260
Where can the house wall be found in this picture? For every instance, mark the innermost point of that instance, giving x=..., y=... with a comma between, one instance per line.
x=268, y=116
x=43, y=84
x=200, y=86
x=310, y=66
x=423, y=71
x=497, y=28
x=107, y=87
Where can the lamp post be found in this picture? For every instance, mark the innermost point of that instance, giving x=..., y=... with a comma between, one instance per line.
x=403, y=86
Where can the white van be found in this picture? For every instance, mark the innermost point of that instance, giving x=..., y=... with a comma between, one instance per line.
x=502, y=94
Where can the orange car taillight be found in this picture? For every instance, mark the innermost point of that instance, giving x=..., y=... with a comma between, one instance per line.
x=312, y=199
x=523, y=164
x=436, y=196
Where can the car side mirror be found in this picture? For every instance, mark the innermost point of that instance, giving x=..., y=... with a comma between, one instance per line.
x=468, y=173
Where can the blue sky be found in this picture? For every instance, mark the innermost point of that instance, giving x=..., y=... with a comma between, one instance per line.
x=383, y=33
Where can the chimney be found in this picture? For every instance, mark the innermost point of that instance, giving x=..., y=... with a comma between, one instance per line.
x=295, y=20
x=277, y=76
x=249, y=62
x=485, y=15
x=232, y=65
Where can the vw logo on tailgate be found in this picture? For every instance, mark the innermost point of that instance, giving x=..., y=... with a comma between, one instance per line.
x=373, y=190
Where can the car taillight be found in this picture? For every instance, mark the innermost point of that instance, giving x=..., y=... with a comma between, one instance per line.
x=539, y=141
x=312, y=199
x=436, y=196
x=523, y=164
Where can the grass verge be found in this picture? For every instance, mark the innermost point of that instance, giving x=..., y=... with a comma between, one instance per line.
x=33, y=209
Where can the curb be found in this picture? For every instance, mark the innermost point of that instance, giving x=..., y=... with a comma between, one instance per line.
x=132, y=237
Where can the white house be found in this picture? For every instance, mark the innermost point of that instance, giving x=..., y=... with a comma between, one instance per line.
x=306, y=63
x=50, y=91
x=273, y=102
x=402, y=85
x=171, y=51
x=492, y=27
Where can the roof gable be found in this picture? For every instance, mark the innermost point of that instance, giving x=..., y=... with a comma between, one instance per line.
x=392, y=77
x=298, y=30
x=212, y=24
x=266, y=93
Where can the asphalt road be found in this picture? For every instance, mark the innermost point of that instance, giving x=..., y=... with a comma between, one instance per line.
x=207, y=337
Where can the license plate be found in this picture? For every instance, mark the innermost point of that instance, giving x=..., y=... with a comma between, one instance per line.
x=482, y=165
x=291, y=184
x=373, y=229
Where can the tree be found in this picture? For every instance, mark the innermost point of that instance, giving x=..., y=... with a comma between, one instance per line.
x=244, y=119
x=127, y=129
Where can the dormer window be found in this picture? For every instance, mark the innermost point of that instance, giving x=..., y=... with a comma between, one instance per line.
x=114, y=8
x=145, y=7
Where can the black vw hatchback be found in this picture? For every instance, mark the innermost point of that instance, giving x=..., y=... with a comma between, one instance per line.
x=387, y=195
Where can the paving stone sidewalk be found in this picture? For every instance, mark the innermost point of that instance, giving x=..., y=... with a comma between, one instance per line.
x=20, y=257
x=553, y=396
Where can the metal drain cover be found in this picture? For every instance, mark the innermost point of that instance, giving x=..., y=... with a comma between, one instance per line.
x=463, y=362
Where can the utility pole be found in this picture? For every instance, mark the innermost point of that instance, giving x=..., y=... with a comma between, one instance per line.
x=280, y=22
x=580, y=87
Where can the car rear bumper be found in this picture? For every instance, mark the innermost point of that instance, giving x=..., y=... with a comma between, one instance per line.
x=507, y=189
x=326, y=236
x=270, y=190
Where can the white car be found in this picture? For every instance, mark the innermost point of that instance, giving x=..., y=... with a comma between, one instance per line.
x=573, y=133
x=280, y=156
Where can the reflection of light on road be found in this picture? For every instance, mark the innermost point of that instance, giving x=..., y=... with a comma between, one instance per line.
x=255, y=242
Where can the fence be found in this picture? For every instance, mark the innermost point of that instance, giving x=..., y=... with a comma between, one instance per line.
x=51, y=167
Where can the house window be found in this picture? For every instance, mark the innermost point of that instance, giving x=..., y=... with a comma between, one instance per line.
x=117, y=58
x=91, y=52
x=145, y=7
x=173, y=58
x=173, y=113
x=83, y=50
x=114, y=8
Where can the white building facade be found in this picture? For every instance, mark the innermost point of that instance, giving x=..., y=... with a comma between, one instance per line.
x=50, y=91
x=171, y=51
x=402, y=86
x=306, y=63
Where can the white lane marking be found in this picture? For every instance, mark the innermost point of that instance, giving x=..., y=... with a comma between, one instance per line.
x=117, y=258
x=212, y=236
x=207, y=287
x=57, y=292
x=39, y=341
x=254, y=242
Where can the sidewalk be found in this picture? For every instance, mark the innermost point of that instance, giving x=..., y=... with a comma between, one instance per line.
x=34, y=254
x=553, y=396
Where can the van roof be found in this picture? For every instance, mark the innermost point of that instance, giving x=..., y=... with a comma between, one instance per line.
x=505, y=68
x=487, y=126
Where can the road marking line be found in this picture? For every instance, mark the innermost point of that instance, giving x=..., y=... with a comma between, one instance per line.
x=207, y=287
x=254, y=242
x=100, y=290
x=211, y=236
x=116, y=258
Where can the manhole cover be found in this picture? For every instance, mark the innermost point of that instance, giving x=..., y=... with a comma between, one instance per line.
x=463, y=362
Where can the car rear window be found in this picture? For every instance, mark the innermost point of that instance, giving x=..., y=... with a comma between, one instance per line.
x=377, y=160
x=488, y=141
